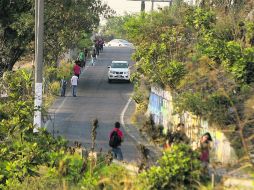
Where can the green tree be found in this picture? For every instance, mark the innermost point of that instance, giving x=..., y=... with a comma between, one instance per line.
x=162, y=45
x=65, y=24
x=16, y=31
x=114, y=27
x=204, y=55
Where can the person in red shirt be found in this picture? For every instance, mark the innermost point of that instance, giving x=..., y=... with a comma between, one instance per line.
x=115, y=140
x=76, y=69
x=204, y=147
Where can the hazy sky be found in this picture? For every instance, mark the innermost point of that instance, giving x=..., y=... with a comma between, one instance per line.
x=121, y=6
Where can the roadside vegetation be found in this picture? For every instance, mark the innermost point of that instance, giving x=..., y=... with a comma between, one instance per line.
x=68, y=24
x=204, y=55
x=181, y=48
x=40, y=161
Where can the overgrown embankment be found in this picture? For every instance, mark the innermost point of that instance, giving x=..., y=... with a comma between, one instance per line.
x=204, y=56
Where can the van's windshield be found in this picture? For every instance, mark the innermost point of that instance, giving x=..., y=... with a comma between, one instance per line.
x=119, y=65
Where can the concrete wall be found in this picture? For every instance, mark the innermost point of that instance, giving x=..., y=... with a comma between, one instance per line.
x=162, y=110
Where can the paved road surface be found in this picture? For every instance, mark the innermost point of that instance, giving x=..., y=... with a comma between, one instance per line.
x=96, y=98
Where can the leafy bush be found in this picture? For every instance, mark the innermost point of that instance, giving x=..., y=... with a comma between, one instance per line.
x=50, y=74
x=20, y=158
x=54, y=88
x=115, y=177
x=178, y=168
x=154, y=131
x=65, y=69
x=85, y=41
x=140, y=96
x=18, y=84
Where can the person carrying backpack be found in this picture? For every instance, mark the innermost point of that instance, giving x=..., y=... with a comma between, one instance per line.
x=115, y=140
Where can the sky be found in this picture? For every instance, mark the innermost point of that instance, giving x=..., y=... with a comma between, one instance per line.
x=121, y=6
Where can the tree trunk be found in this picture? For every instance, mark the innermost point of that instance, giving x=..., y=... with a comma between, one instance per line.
x=15, y=56
x=8, y=63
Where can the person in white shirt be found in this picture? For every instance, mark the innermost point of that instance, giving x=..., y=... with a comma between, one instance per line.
x=74, y=84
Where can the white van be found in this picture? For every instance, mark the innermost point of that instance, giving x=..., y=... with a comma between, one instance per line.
x=119, y=70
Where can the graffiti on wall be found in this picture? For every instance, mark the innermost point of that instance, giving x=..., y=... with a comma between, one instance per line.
x=161, y=108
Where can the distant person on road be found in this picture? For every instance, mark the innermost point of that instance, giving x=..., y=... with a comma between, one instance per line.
x=115, y=140
x=76, y=68
x=86, y=53
x=93, y=56
x=63, y=86
x=74, y=84
x=101, y=44
x=81, y=58
x=97, y=47
x=86, y=56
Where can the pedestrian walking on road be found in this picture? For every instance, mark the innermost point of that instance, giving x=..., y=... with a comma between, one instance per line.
x=76, y=68
x=93, y=56
x=81, y=58
x=97, y=47
x=101, y=44
x=85, y=56
x=115, y=140
x=63, y=86
x=74, y=84
x=86, y=53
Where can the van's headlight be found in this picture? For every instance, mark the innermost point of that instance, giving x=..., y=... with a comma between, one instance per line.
x=112, y=72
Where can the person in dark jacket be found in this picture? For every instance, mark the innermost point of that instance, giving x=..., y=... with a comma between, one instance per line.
x=63, y=86
x=179, y=136
x=115, y=140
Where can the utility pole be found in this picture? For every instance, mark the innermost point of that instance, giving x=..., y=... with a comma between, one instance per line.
x=152, y=1
x=39, y=28
x=170, y=3
x=143, y=6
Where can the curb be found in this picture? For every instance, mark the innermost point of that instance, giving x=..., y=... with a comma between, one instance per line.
x=139, y=138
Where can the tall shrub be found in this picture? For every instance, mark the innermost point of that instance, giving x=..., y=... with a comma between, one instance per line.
x=178, y=168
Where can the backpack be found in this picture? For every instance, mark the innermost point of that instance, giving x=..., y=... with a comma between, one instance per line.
x=115, y=140
x=63, y=83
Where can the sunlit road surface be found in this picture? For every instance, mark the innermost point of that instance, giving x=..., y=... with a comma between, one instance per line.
x=96, y=98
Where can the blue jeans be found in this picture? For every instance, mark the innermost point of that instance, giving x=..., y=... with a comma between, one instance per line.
x=117, y=153
x=74, y=90
x=63, y=91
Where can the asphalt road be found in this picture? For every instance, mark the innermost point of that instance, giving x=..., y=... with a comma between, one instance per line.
x=96, y=98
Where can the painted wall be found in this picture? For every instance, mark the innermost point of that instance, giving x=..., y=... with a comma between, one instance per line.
x=161, y=108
